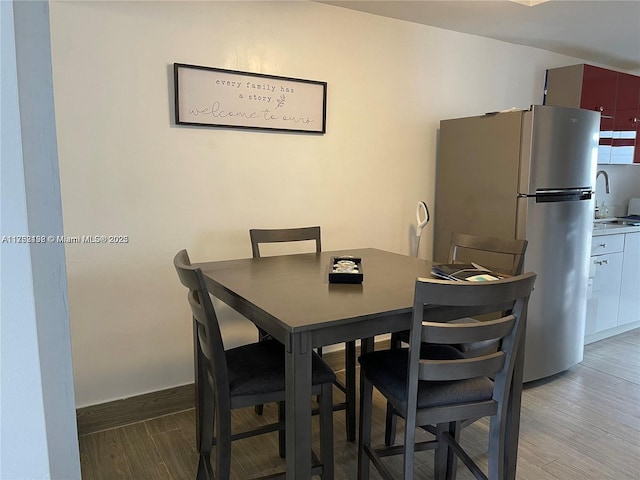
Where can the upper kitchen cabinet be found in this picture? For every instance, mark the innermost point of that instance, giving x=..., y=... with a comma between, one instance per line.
x=615, y=95
x=625, y=127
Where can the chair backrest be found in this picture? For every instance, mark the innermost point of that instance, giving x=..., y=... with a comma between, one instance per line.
x=211, y=363
x=503, y=254
x=507, y=297
x=259, y=236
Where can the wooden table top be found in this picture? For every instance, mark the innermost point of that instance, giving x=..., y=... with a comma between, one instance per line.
x=294, y=290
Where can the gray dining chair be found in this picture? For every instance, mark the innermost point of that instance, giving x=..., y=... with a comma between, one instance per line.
x=503, y=255
x=313, y=234
x=242, y=377
x=283, y=235
x=433, y=385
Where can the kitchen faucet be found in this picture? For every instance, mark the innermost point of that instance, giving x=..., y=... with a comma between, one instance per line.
x=606, y=179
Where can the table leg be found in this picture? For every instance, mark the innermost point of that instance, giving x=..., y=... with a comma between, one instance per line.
x=298, y=406
x=364, y=434
x=350, y=367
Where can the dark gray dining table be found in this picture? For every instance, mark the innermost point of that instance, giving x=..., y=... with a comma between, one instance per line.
x=290, y=297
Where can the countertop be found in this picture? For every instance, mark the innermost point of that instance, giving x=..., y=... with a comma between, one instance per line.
x=606, y=226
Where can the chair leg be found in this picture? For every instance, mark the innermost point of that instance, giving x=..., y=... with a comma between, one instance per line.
x=205, y=415
x=395, y=341
x=319, y=352
x=364, y=434
x=204, y=399
x=350, y=411
x=452, y=460
x=326, y=431
x=440, y=454
x=390, y=425
x=409, y=444
x=445, y=464
x=207, y=423
x=262, y=336
x=282, y=437
x=497, y=447
x=223, y=443
x=204, y=468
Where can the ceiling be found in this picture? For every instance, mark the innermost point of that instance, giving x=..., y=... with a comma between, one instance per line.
x=603, y=32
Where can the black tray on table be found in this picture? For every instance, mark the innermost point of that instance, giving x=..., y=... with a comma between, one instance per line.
x=346, y=269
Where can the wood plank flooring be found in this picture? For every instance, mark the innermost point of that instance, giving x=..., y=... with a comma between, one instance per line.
x=583, y=424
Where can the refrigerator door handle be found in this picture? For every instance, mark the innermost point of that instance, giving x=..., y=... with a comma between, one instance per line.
x=559, y=195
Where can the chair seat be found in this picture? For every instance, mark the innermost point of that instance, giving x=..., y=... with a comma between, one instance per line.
x=387, y=371
x=259, y=368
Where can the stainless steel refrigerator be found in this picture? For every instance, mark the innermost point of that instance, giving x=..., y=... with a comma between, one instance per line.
x=527, y=174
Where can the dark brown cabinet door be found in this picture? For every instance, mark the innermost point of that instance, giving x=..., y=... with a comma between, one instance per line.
x=636, y=152
x=626, y=119
x=599, y=87
x=615, y=95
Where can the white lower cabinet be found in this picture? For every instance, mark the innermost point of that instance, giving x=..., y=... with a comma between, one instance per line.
x=629, y=309
x=613, y=300
x=602, y=306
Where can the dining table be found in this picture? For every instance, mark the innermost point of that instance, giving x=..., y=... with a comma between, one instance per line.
x=291, y=298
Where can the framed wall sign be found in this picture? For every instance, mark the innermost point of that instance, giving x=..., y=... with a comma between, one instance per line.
x=215, y=97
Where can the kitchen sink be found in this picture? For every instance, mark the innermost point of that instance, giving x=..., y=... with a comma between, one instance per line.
x=606, y=226
x=609, y=223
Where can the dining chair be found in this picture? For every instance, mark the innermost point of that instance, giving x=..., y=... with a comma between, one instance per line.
x=503, y=255
x=433, y=385
x=261, y=236
x=242, y=377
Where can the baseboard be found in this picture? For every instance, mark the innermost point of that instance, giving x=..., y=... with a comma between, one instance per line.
x=596, y=337
x=104, y=416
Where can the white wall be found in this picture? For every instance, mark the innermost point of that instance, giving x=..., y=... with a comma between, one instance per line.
x=127, y=169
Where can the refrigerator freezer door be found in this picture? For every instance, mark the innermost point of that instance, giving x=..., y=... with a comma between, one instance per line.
x=560, y=148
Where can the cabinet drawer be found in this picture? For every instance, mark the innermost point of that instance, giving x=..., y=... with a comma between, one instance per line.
x=604, y=244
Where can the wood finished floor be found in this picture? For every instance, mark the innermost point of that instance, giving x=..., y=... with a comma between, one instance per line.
x=583, y=424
